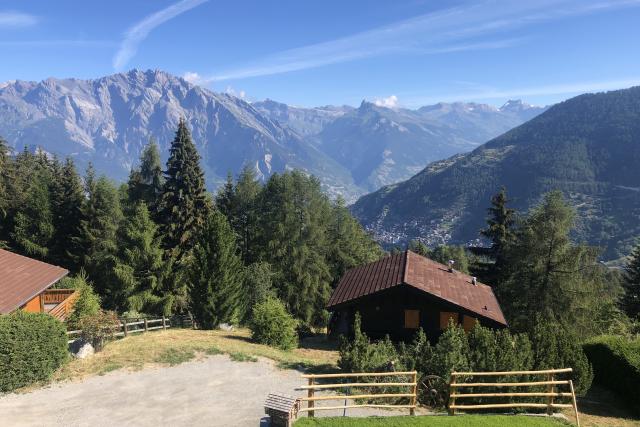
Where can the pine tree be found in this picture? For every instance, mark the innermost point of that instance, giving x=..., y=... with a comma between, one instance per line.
x=146, y=181
x=184, y=206
x=33, y=223
x=631, y=298
x=139, y=268
x=102, y=215
x=501, y=232
x=243, y=215
x=551, y=276
x=67, y=201
x=225, y=197
x=349, y=244
x=5, y=166
x=293, y=221
x=215, y=274
x=257, y=286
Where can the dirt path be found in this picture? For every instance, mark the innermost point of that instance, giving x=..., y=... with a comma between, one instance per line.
x=214, y=391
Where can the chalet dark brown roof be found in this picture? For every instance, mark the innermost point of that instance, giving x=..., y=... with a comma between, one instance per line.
x=411, y=269
x=23, y=278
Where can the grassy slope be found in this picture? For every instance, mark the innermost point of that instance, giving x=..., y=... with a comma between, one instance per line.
x=435, y=421
x=175, y=346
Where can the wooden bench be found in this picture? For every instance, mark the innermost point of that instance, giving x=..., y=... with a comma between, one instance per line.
x=282, y=409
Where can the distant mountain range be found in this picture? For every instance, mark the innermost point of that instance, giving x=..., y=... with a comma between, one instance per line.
x=588, y=147
x=352, y=150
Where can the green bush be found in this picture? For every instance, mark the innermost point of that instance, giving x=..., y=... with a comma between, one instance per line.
x=271, y=324
x=32, y=347
x=99, y=327
x=616, y=364
x=88, y=302
x=361, y=355
x=554, y=346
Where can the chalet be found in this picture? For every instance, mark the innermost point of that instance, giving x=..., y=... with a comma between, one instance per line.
x=400, y=293
x=25, y=284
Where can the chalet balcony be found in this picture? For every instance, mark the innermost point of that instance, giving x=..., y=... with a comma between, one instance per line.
x=59, y=302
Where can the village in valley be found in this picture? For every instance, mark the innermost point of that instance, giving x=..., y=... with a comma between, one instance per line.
x=172, y=254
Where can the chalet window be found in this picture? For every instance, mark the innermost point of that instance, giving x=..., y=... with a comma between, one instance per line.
x=468, y=322
x=445, y=316
x=412, y=319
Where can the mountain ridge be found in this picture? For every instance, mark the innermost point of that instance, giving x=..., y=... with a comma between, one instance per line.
x=587, y=146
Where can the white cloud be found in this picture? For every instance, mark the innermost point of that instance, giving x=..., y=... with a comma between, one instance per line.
x=191, y=77
x=237, y=93
x=448, y=30
x=17, y=20
x=388, y=102
x=136, y=34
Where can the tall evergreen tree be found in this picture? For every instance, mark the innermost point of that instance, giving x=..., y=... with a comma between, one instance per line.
x=67, y=202
x=501, y=232
x=294, y=217
x=243, y=214
x=631, y=298
x=102, y=215
x=551, y=276
x=184, y=206
x=215, y=274
x=146, y=181
x=139, y=268
x=5, y=166
x=225, y=197
x=33, y=223
x=349, y=244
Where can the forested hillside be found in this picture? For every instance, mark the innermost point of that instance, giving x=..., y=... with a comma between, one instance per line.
x=162, y=244
x=588, y=147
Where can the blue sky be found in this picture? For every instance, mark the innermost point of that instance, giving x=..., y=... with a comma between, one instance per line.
x=406, y=53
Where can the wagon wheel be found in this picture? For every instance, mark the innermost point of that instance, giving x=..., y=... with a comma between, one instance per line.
x=432, y=391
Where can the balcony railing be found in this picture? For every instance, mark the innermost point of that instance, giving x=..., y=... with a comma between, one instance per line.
x=56, y=296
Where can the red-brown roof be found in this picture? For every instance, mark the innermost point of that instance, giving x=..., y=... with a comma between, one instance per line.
x=23, y=278
x=421, y=273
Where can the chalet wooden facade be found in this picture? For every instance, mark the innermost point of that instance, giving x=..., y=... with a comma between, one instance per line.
x=25, y=285
x=401, y=293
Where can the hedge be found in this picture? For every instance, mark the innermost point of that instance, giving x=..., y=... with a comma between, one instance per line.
x=32, y=347
x=616, y=364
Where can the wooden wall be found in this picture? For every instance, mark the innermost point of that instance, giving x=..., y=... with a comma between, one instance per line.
x=384, y=313
x=34, y=305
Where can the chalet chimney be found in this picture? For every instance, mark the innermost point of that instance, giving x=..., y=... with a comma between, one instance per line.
x=451, y=262
x=474, y=280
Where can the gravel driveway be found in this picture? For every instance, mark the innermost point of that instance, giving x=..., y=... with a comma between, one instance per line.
x=214, y=391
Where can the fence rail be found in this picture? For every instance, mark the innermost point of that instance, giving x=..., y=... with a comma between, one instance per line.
x=550, y=394
x=313, y=386
x=127, y=324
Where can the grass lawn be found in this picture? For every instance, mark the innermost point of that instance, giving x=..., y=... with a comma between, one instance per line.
x=435, y=421
x=174, y=346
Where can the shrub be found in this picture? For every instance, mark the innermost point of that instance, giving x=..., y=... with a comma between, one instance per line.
x=616, y=364
x=99, y=328
x=88, y=302
x=32, y=347
x=271, y=324
x=451, y=353
x=361, y=355
x=556, y=347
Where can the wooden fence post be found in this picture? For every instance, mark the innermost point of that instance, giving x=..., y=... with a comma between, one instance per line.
x=311, y=403
x=414, y=398
x=124, y=326
x=146, y=327
x=164, y=323
x=452, y=400
x=575, y=405
x=550, y=389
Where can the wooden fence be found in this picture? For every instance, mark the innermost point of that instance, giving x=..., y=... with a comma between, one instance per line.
x=551, y=394
x=313, y=386
x=131, y=326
